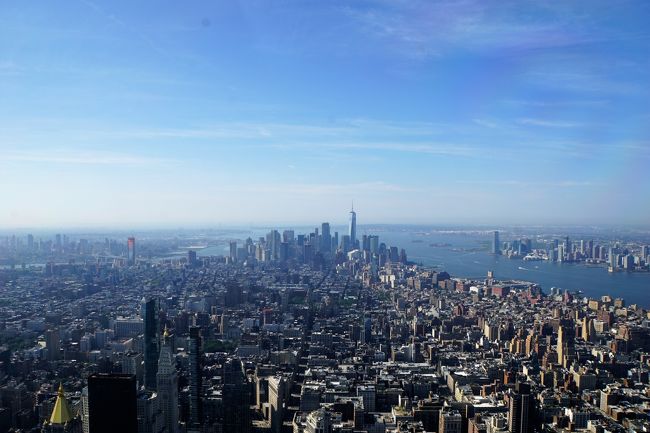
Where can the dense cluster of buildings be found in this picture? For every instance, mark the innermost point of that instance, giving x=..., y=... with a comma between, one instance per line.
x=312, y=333
x=630, y=257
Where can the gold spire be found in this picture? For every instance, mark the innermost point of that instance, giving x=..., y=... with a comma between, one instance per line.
x=61, y=413
x=165, y=332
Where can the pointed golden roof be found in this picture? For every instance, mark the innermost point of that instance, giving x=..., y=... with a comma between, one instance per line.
x=165, y=332
x=61, y=413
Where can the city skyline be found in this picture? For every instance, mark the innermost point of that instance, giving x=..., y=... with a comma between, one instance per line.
x=121, y=115
x=378, y=216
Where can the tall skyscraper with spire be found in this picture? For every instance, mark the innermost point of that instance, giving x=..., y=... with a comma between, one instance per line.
x=353, y=228
x=167, y=381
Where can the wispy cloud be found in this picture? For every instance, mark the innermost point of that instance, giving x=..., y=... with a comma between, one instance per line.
x=426, y=29
x=78, y=157
x=533, y=183
x=115, y=20
x=550, y=123
x=440, y=149
x=576, y=77
x=317, y=188
x=485, y=123
x=559, y=103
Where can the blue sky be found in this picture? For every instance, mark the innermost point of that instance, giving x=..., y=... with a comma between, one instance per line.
x=142, y=113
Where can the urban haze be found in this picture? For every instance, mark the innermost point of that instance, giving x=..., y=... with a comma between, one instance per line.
x=340, y=216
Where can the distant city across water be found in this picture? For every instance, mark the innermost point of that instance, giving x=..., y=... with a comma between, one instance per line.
x=465, y=253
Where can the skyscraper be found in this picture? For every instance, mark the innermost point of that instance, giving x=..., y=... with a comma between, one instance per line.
x=112, y=403
x=191, y=258
x=567, y=246
x=519, y=409
x=233, y=251
x=130, y=250
x=277, y=386
x=273, y=240
x=496, y=249
x=151, y=350
x=326, y=238
x=374, y=244
x=353, y=228
x=167, y=381
x=236, y=398
x=53, y=344
x=196, y=377
x=150, y=418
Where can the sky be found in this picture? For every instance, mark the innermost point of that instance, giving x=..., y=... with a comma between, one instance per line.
x=164, y=113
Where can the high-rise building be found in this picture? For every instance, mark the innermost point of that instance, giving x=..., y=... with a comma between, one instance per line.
x=353, y=228
x=345, y=243
x=374, y=244
x=365, y=243
x=276, y=401
x=307, y=253
x=561, y=343
x=368, y=395
x=496, y=248
x=196, y=378
x=520, y=405
x=53, y=344
x=167, y=384
x=151, y=338
x=85, y=410
x=288, y=236
x=150, y=419
x=130, y=250
x=273, y=240
x=191, y=258
x=112, y=405
x=326, y=238
x=233, y=251
x=236, y=398
x=284, y=251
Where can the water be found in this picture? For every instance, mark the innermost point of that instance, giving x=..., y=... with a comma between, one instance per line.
x=468, y=256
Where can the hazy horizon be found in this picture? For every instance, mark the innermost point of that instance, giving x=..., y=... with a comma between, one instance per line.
x=154, y=114
x=341, y=227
